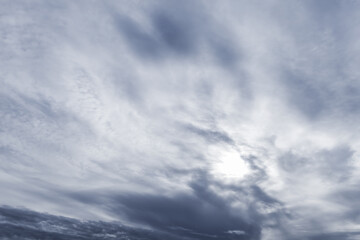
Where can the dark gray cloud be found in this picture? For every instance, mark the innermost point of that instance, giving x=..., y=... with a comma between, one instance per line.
x=210, y=135
x=25, y=224
x=335, y=164
x=317, y=98
x=168, y=31
x=174, y=34
x=306, y=97
x=178, y=30
x=186, y=215
x=140, y=41
x=201, y=213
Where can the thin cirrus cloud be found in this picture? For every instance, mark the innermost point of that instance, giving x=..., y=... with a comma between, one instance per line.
x=181, y=120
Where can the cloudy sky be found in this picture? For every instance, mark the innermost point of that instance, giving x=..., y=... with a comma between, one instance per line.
x=194, y=119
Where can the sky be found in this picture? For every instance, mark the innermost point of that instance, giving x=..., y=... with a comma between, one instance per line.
x=189, y=119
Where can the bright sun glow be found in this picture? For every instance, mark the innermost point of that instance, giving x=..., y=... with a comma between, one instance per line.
x=230, y=166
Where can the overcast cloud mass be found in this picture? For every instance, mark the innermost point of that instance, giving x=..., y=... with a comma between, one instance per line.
x=180, y=119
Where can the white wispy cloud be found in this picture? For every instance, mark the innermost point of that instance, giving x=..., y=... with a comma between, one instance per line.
x=244, y=111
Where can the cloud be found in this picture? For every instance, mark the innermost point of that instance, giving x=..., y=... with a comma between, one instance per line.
x=200, y=212
x=202, y=121
x=25, y=224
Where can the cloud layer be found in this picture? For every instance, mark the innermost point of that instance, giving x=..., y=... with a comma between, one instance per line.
x=229, y=120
